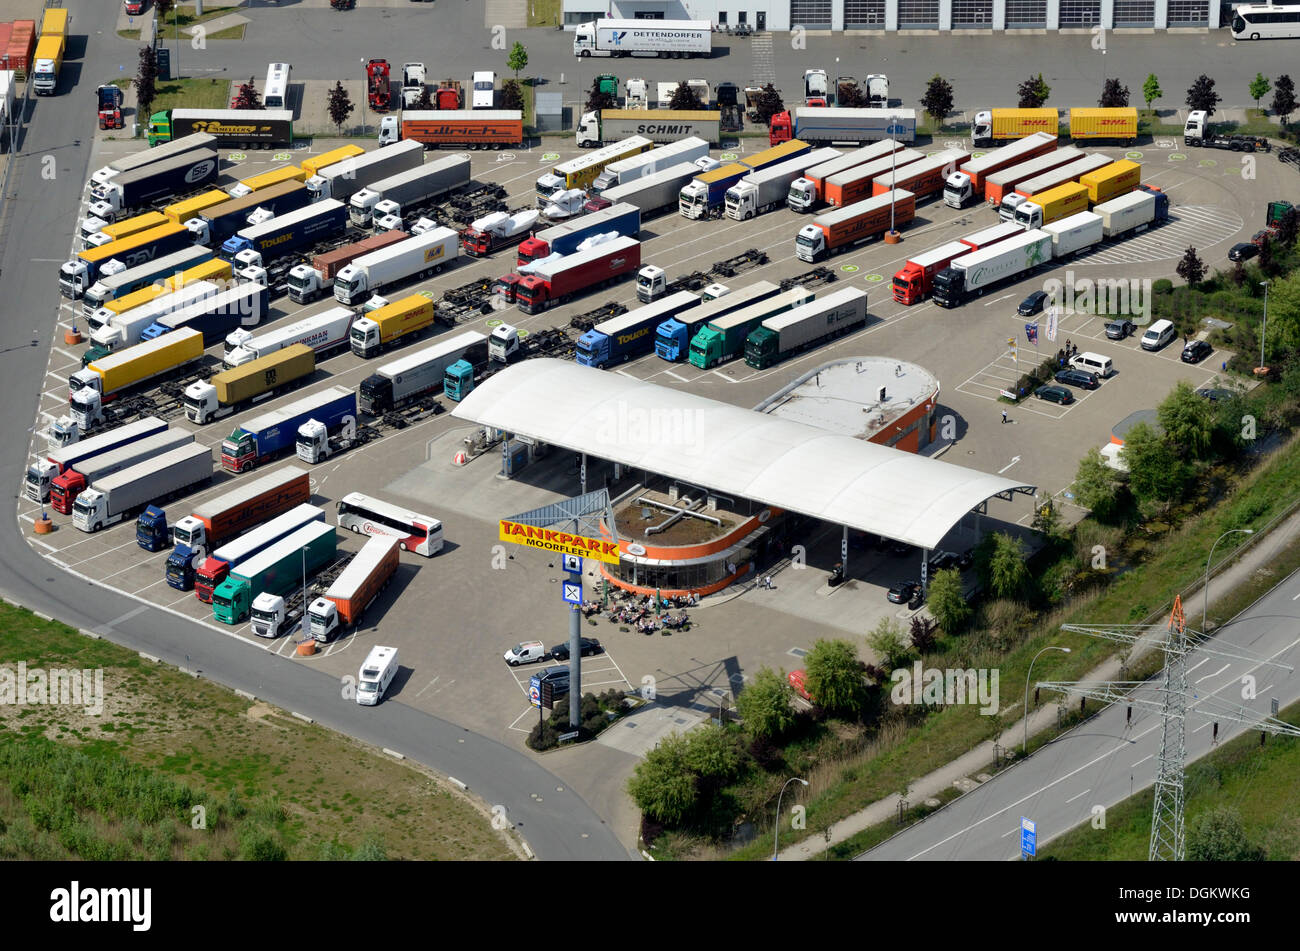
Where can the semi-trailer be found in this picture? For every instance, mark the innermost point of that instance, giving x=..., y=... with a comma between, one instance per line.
x=458, y=128
x=342, y=179
x=230, y=514
x=289, y=232
x=969, y=178
x=915, y=278
x=275, y=570
x=96, y=231
x=276, y=176
x=767, y=188
x=1118, y=124
x=125, y=493
x=405, y=380
x=673, y=336
x=313, y=164
x=1001, y=184
x=1118, y=178
x=421, y=255
x=497, y=230
x=408, y=190
x=324, y=332
x=198, y=141
x=819, y=125
x=263, y=437
x=659, y=125
x=1004, y=125
x=310, y=281
x=1132, y=212
x=1070, y=172
x=655, y=192
x=661, y=38
x=47, y=61
x=149, y=183
x=1074, y=233
x=647, y=163
x=629, y=335
x=241, y=306
x=810, y=190
x=215, y=568
x=81, y=272
x=354, y=590
x=231, y=390
x=110, y=331
x=723, y=338
x=622, y=219
x=391, y=325
x=809, y=325
x=853, y=185
x=216, y=223
x=922, y=178
x=973, y=274
x=555, y=282
x=992, y=235
x=130, y=370
x=65, y=487
x=1052, y=205
x=844, y=228
x=187, y=208
x=57, y=461
x=232, y=128
x=115, y=287
x=706, y=193
x=580, y=172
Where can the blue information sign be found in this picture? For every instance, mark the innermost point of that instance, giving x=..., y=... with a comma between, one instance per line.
x=1028, y=837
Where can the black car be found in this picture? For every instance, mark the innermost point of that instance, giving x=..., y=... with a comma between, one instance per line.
x=905, y=592
x=1215, y=395
x=1242, y=252
x=1055, y=394
x=1119, y=329
x=1081, y=378
x=1032, y=304
x=558, y=677
x=1196, y=351
x=899, y=549
x=589, y=646
x=943, y=559
x=966, y=559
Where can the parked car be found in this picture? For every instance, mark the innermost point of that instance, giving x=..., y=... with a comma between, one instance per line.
x=1032, y=304
x=1242, y=252
x=1119, y=329
x=966, y=559
x=558, y=676
x=1196, y=351
x=899, y=549
x=943, y=559
x=1081, y=378
x=589, y=646
x=904, y=592
x=1055, y=394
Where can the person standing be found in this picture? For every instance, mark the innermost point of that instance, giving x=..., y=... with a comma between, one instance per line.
x=1004, y=416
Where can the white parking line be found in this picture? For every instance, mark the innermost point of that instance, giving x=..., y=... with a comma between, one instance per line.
x=1077, y=795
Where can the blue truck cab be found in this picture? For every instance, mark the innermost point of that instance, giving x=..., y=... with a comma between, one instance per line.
x=151, y=531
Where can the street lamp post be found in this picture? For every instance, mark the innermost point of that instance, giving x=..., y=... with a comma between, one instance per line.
x=1205, y=608
x=1263, y=331
x=776, y=829
x=1064, y=650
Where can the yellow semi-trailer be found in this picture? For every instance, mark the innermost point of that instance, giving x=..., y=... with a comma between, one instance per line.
x=1118, y=178
x=1052, y=205
x=380, y=329
x=121, y=283
x=183, y=211
x=582, y=171
x=1116, y=124
x=1005, y=125
x=255, y=183
x=130, y=370
x=97, y=231
x=312, y=166
x=79, y=273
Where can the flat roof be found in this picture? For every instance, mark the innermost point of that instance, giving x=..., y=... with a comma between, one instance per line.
x=843, y=396
x=737, y=451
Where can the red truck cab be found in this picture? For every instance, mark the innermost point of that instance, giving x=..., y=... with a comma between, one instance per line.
x=530, y=250
x=64, y=489
x=211, y=573
x=780, y=129
x=134, y=7
x=508, y=287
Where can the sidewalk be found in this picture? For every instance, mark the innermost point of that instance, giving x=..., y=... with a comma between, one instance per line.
x=960, y=771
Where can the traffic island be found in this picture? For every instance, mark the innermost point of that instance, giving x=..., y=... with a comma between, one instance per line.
x=306, y=648
x=893, y=237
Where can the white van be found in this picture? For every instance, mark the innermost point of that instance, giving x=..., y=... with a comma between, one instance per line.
x=376, y=674
x=1093, y=363
x=484, y=92
x=1158, y=334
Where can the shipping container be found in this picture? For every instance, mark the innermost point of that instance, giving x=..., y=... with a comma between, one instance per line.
x=1002, y=125
x=230, y=390
x=808, y=325
x=263, y=437
x=836, y=231
x=853, y=185
x=1119, y=125
x=1118, y=178
x=400, y=321
x=992, y=235
x=417, y=374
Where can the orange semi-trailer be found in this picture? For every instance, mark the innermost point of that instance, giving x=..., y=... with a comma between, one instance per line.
x=923, y=178
x=461, y=128
x=838, y=230
x=853, y=185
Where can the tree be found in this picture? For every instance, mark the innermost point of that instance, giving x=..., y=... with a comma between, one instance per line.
x=1259, y=87
x=922, y=633
x=711, y=752
x=1188, y=420
x=1003, y=568
x=1220, y=836
x=340, y=105
x=834, y=676
x=937, y=101
x=1114, y=94
x=163, y=8
x=1151, y=90
x=1096, y=485
x=887, y=642
x=663, y=785
x=146, y=81
x=248, y=96
x=850, y=96
x=1287, y=227
x=769, y=104
x=1191, y=268
x=598, y=99
x=517, y=61
x=947, y=602
x=764, y=705
x=1283, y=315
x=684, y=97
x=1033, y=92
x=512, y=97
x=1201, y=95
x=1284, y=102
x=1156, y=475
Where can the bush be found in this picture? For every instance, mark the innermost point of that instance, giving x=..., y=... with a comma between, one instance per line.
x=1162, y=286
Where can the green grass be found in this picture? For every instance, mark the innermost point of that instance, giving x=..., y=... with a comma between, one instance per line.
x=544, y=12
x=185, y=19
x=123, y=784
x=187, y=94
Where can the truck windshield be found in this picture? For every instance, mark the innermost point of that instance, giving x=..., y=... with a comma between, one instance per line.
x=263, y=615
x=347, y=285
x=181, y=536
x=235, y=449
x=297, y=281
x=220, y=600
x=82, y=507
x=358, y=334
x=902, y=283
x=317, y=620
x=644, y=280
x=804, y=241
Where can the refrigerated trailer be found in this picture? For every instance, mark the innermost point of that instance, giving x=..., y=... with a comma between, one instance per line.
x=324, y=332
x=655, y=192
x=724, y=337
x=1074, y=233
x=66, y=486
x=418, y=256
x=159, y=153
x=657, y=125
x=342, y=179
x=396, y=384
x=647, y=163
x=808, y=191
x=971, y=275
x=355, y=589
x=125, y=493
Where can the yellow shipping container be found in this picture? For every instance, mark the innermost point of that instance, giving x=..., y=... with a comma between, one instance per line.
x=124, y=229
x=183, y=211
x=1111, y=181
x=1062, y=201
x=1092, y=123
x=313, y=165
x=146, y=360
x=137, y=240
x=56, y=22
x=286, y=173
x=402, y=317
x=263, y=374
x=1018, y=123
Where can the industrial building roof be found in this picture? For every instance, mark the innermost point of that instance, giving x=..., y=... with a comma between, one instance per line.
x=733, y=450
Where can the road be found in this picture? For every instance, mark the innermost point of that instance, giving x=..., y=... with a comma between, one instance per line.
x=37, y=233
x=1105, y=760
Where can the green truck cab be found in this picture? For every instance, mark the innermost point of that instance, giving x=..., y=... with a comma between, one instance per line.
x=281, y=569
x=762, y=348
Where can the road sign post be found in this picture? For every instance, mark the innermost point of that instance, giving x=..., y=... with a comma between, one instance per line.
x=1028, y=838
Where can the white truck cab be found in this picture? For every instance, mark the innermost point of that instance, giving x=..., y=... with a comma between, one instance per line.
x=503, y=343
x=376, y=674
x=322, y=619
x=957, y=190
x=267, y=615
x=314, y=443
x=651, y=281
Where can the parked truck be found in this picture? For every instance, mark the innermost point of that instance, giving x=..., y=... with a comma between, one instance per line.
x=409, y=190
x=276, y=176
x=241, y=306
x=115, y=287
x=844, y=228
x=662, y=38
x=232, y=128
x=125, y=493
x=553, y=283
x=973, y=274
x=654, y=192
x=1070, y=172
x=213, y=225
x=835, y=126
x=418, y=256
x=1132, y=213
x=263, y=437
x=622, y=172
x=325, y=332
x=59, y=460
x=724, y=337
x=232, y=390
x=310, y=281
x=806, y=326
x=96, y=231
x=215, y=568
x=992, y=126
x=853, y=185
x=65, y=487
x=354, y=590
x=81, y=272
x=580, y=172
x=393, y=324
x=313, y=164
x=1074, y=233
x=457, y=128
x=968, y=180
x=809, y=190
x=1052, y=205
x=129, y=370
x=673, y=336
x=275, y=570
x=187, y=208
x=288, y=233
x=198, y=141
x=922, y=178
x=706, y=193
x=1198, y=132
x=1118, y=178
x=658, y=125
x=767, y=188
x=992, y=235
x=629, y=335
x=341, y=180
x=497, y=230
x=110, y=332
x=50, y=48
x=418, y=374
x=624, y=219
x=1001, y=184
x=915, y=279
x=229, y=515
x=1118, y=125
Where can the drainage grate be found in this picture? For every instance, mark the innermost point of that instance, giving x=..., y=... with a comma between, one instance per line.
x=797, y=652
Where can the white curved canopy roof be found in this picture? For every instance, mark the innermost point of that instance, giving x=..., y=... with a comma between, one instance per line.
x=732, y=450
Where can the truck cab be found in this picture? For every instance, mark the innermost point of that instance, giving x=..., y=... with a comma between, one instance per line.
x=64, y=431
x=269, y=615
x=957, y=190
x=503, y=343
x=1007, y=210
x=802, y=195
x=314, y=443
x=809, y=244
x=208, y=577
x=548, y=186
x=637, y=94
x=87, y=408
x=458, y=380
x=814, y=87
x=877, y=90
x=741, y=201
x=706, y=348
x=322, y=619
x=231, y=601
x=651, y=282
x=191, y=550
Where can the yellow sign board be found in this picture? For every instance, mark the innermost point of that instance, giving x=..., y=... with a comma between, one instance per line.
x=547, y=539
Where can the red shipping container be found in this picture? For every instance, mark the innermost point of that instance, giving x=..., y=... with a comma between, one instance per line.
x=5, y=30
x=22, y=43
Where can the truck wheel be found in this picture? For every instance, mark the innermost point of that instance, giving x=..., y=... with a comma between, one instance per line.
x=1248, y=147
x=585, y=53
x=355, y=530
x=1196, y=143
x=402, y=545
